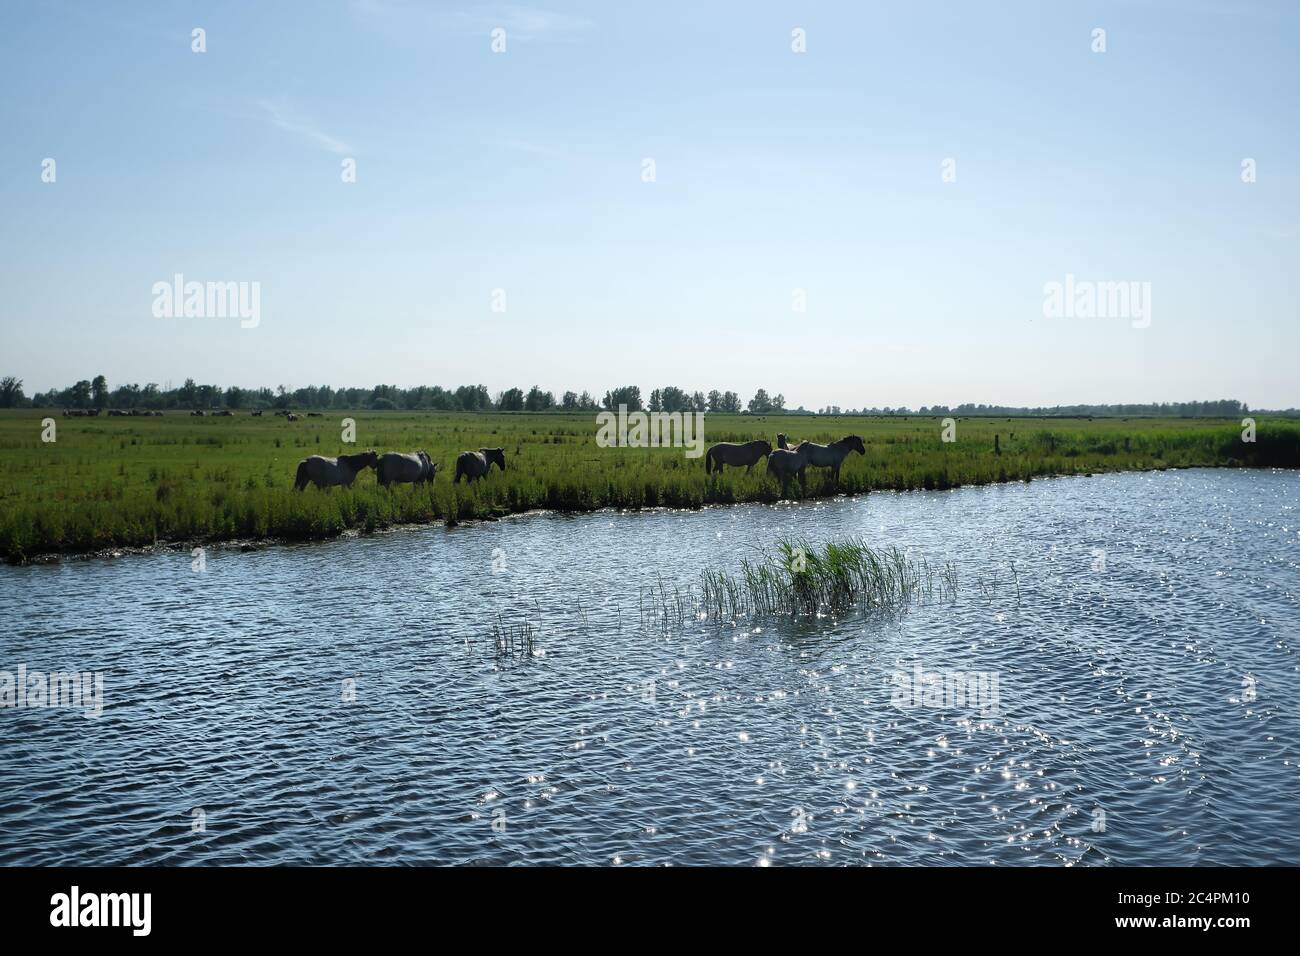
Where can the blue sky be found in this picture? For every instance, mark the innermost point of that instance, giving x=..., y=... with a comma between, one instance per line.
x=775, y=171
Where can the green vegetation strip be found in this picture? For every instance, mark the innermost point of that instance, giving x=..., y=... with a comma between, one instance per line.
x=135, y=482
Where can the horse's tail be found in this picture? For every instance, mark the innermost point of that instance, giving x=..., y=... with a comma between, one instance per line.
x=708, y=462
x=300, y=482
x=460, y=470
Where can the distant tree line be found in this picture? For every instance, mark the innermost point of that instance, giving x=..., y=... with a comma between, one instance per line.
x=1223, y=408
x=96, y=393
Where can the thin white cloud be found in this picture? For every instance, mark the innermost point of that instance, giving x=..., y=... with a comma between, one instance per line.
x=528, y=23
x=282, y=117
x=520, y=22
x=527, y=146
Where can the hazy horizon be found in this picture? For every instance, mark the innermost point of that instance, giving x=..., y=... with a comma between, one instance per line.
x=780, y=177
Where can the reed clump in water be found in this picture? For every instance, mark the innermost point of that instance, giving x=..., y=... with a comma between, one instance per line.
x=799, y=578
x=513, y=640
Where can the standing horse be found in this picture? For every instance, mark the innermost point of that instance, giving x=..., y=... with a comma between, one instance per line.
x=831, y=456
x=395, y=466
x=326, y=472
x=730, y=453
x=786, y=463
x=475, y=464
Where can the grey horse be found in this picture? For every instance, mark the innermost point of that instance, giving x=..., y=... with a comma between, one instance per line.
x=475, y=464
x=786, y=463
x=831, y=456
x=400, y=467
x=326, y=472
x=731, y=453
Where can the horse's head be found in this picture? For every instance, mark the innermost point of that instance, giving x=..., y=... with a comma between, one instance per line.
x=495, y=454
x=780, y=440
x=765, y=445
x=369, y=459
x=855, y=444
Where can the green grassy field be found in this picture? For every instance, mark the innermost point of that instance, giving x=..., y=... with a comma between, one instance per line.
x=115, y=482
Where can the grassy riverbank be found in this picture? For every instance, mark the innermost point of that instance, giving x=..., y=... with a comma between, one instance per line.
x=123, y=482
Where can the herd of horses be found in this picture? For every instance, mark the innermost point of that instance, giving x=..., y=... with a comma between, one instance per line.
x=785, y=462
x=112, y=413
x=394, y=467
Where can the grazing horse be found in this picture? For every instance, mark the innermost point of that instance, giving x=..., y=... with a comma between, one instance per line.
x=395, y=466
x=731, y=453
x=831, y=456
x=326, y=472
x=786, y=463
x=475, y=464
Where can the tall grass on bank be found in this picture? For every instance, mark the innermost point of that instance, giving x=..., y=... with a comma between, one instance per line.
x=135, y=482
x=798, y=578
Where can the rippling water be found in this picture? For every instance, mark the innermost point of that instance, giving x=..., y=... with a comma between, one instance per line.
x=1148, y=708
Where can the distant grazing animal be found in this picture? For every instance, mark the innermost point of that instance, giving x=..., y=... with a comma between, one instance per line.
x=475, y=464
x=256, y=412
x=198, y=412
x=315, y=414
x=831, y=456
x=157, y=415
x=325, y=472
x=401, y=467
x=786, y=463
x=290, y=418
x=731, y=453
x=116, y=413
x=224, y=413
